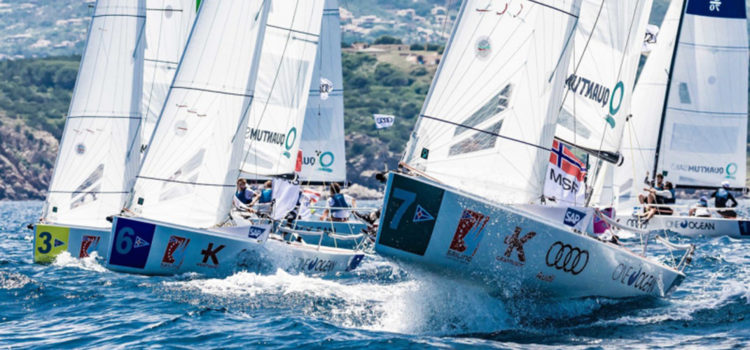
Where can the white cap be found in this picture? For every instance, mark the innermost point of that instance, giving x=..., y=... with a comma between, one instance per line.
x=725, y=184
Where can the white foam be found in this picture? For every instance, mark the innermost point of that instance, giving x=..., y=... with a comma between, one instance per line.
x=89, y=263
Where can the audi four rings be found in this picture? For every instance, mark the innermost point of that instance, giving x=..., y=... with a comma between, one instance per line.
x=567, y=258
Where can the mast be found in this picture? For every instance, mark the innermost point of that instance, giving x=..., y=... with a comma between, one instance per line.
x=669, y=87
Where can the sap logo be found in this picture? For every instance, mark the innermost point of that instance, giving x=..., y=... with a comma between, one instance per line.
x=639, y=279
x=573, y=217
x=564, y=182
x=256, y=231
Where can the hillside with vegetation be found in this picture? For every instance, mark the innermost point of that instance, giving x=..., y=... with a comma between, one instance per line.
x=35, y=93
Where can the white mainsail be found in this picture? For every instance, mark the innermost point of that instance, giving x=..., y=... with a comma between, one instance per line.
x=322, y=144
x=699, y=137
x=602, y=73
x=96, y=164
x=489, y=118
x=168, y=24
x=189, y=170
x=275, y=122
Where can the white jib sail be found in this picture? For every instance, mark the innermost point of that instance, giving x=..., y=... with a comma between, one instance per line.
x=189, y=170
x=322, y=144
x=276, y=118
x=640, y=134
x=602, y=73
x=704, y=133
x=168, y=24
x=503, y=74
x=96, y=164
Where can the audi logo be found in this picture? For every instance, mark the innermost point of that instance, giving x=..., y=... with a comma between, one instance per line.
x=567, y=258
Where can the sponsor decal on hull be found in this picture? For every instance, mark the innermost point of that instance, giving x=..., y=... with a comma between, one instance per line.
x=315, y=265
x=468, y=235
x=88, y=246
x=545, y=278
x=210, y=259
x=131, y=243
x=49, y=242
x=634, y=277
x=515, y=243
x=636, y=223
x=693, y=225
x=567, y=258
x=175, y=252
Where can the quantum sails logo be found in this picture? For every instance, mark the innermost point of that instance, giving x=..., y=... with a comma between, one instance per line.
x=324, y=159
x=598, y=93
x=727, y=171
x=274, y=138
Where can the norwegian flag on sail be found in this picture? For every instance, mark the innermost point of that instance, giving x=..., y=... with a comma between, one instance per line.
x=565, y=176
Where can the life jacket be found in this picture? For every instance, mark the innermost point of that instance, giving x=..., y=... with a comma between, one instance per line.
x=339, y=201
x=240, y=194
x=266, y=196
x=672, y=200
x=722, y=196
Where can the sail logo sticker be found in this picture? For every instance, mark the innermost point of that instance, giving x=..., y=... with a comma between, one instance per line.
x=174, y=254
x=483, y=47
x=468, y=235
x=88, y=246
x=717, y=8
x=291, y=135
x=731, y=169
x=131, y=243
x=421, y=215
x=325, y=160
x=80, y=149
x=638, y=279
x=515, y=243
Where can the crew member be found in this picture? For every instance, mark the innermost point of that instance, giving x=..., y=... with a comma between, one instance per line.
x=701, y=209
x=338, y=204
x=721, y=197
x=665, y=196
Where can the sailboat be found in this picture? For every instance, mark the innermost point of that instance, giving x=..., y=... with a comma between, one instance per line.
x=322, y=148
x=245, y=63
x=121, y=75
x=467, y=201
x=690, y=112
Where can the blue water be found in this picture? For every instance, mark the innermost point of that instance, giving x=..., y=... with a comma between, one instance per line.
x=79, y=304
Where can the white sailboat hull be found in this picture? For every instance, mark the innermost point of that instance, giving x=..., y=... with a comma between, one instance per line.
x=691, y=226
x=151, y=247
x=502, y=248
x=50, y=240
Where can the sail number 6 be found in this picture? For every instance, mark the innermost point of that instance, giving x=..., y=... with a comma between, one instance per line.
x=124, y=241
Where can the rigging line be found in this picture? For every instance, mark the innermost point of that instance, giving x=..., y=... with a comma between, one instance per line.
x=585, y=47
x=273, y=86
x=185, y=182
x=447, y=17
x=553, y=8
x=485, y=131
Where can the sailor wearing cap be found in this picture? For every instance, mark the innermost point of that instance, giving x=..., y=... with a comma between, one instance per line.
x=701, y=208
x=722, y=196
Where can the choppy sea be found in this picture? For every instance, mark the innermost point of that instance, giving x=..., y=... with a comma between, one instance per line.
x=79, y=304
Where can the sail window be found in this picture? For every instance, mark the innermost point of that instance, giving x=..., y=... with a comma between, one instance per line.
x=477, y=142
x=567, y=120
x=684, y=94
x=704, y=139
x=495, y=105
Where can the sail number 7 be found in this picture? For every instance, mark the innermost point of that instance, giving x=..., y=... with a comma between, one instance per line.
x=407, y=198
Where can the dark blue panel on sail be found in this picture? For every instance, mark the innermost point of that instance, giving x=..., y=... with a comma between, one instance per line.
x=717, y=8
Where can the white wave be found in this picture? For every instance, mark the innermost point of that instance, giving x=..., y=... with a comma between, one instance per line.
x=89, y=263
x=13, y=280
x=422, y=304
